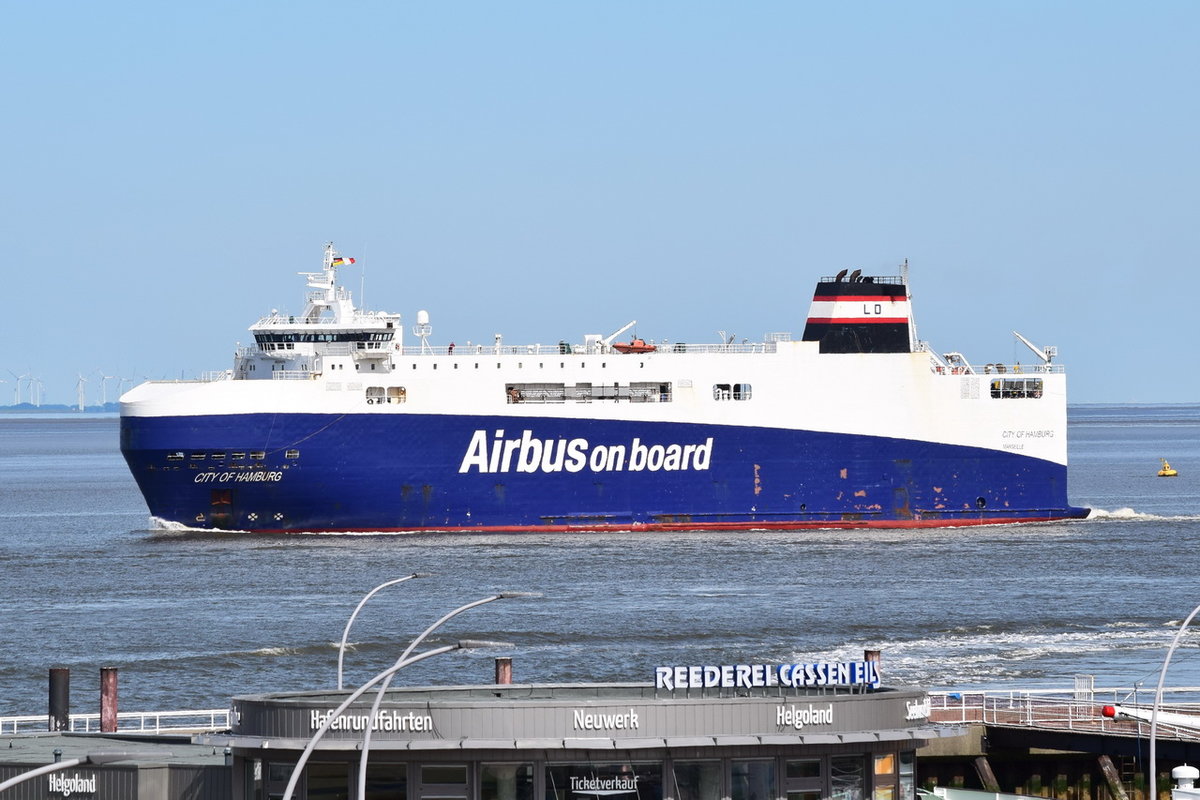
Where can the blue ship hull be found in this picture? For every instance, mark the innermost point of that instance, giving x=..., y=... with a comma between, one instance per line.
x=369, y=472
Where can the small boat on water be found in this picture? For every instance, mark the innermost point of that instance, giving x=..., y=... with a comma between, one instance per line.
x=1167, y=471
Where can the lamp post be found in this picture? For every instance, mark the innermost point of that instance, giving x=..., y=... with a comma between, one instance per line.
x=91, y=758
x=1162, y=677
x=361, y=603
x=366, y=744
x=465, y=644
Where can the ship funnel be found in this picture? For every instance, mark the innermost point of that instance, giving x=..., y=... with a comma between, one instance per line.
x=862, y=314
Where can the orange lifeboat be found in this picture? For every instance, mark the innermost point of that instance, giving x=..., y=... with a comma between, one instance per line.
x=635, y=346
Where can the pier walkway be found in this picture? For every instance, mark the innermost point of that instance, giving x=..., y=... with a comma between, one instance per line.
x=1074, y=719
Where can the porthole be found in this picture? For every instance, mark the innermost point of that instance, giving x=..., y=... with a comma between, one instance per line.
x=980, y=502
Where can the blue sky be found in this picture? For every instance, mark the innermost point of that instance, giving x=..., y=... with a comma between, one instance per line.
x=547, y=170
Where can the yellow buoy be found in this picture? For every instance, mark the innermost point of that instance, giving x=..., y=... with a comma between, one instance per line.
x=1166, y=471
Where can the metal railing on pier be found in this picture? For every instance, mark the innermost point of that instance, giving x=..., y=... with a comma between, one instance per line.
x=1058, y=709
x=195, y=721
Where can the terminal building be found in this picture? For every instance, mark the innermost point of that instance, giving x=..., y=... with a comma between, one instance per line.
x=824, y=731
x=741, y=732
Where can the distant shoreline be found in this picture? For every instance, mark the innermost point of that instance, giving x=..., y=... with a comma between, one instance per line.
x=60, y=408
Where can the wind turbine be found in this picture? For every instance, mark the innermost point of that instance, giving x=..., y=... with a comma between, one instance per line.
x=79, y=389
x=17, y=387
x=104, y=379
x=35, y=391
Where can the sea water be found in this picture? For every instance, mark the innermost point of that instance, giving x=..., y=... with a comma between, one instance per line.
x=191, y=619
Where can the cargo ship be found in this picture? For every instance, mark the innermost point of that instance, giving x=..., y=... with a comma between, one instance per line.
x=331, y=421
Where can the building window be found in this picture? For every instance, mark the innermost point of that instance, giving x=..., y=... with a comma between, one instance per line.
x=884, y=776
x=846, y=777
x=444, y=773
x=327, y=782
x=804, y=769
x=751, y=780
x=631, y=781
x=506, y=782
x=697, y=780
x=443, y=781
x=908, y=785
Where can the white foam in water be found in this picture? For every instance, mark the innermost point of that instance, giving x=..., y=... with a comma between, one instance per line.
x=160, y=524
x=274, y=651
x=983, y=657
x=1129, y=513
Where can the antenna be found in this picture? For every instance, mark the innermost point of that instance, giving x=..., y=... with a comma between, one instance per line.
x=914, y=341
x=423, y=329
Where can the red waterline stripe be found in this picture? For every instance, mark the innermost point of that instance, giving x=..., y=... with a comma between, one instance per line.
x=648, y=527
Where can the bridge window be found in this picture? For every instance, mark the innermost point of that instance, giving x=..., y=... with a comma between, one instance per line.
x=1008, y=388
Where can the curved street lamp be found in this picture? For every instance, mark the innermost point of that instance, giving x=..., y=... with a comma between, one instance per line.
x=366, y=743
x=361, y=603
x=1162, y=677
x=465, y=644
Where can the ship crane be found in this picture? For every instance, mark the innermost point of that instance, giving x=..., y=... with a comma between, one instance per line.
x=626, y=327
x=1046, y=355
